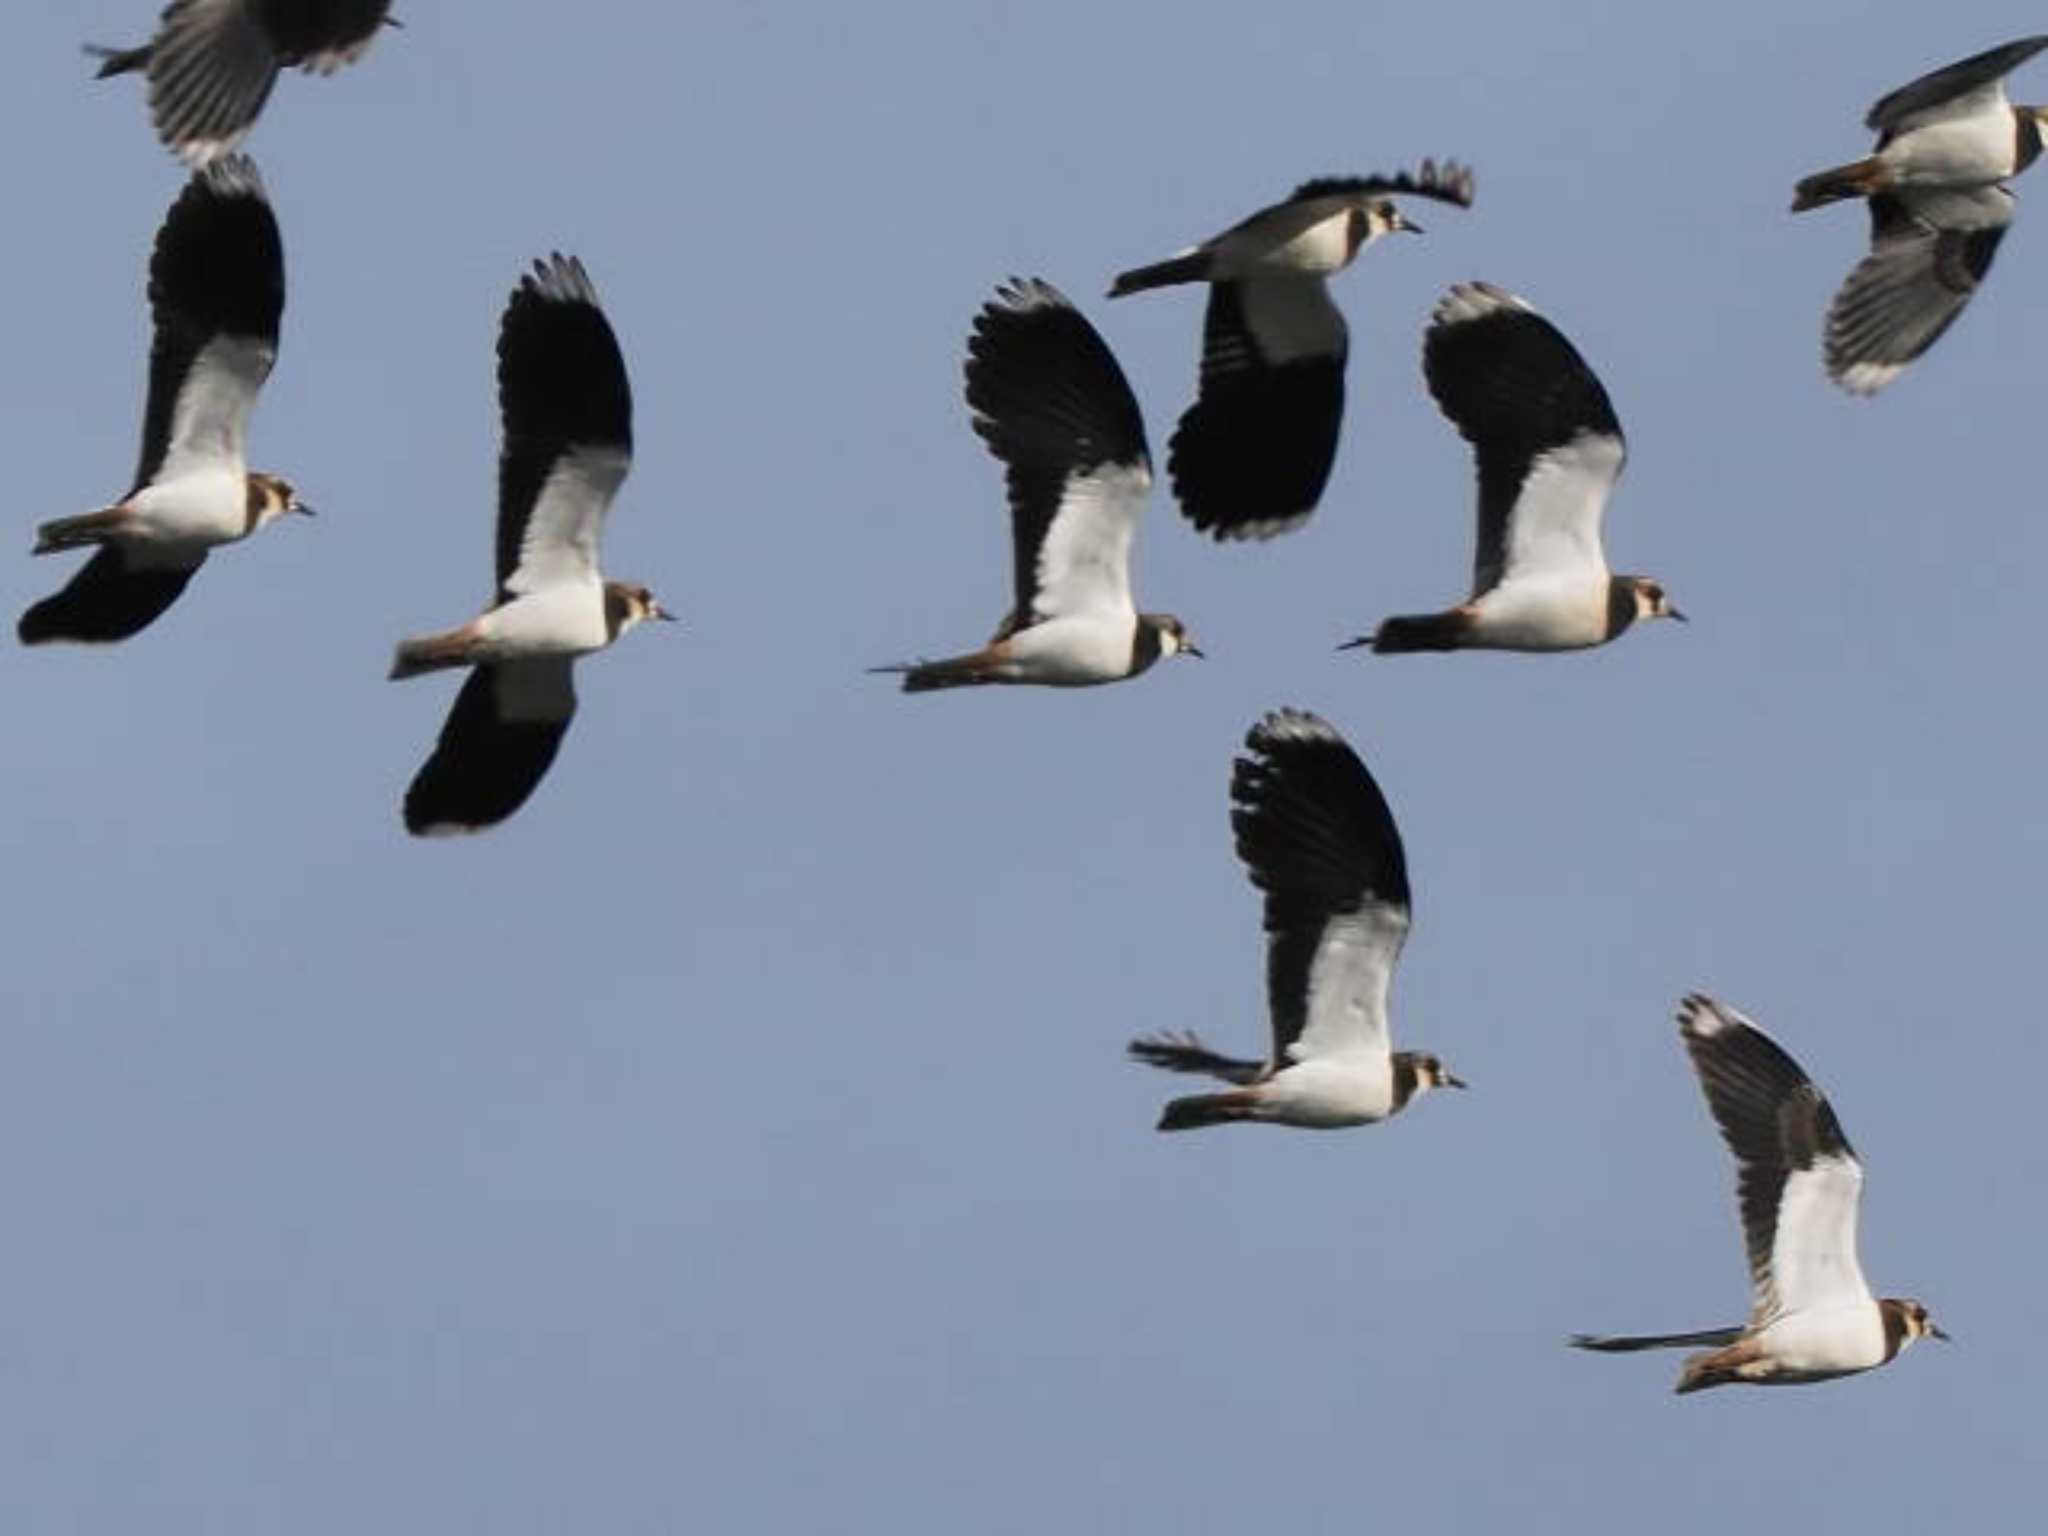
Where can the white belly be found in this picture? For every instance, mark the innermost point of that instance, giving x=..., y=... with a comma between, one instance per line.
x=1830, y=1343
x=1072, y=652
x=1963, y=152
x=201, y=509
x=1543, y=616
x=1329, y=1092
x=556, y=621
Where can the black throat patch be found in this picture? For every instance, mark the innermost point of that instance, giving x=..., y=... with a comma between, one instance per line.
x=1145, y=643
x=2027, y=149
x=1621, y=605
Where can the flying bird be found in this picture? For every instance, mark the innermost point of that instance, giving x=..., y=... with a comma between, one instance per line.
x=212, y=62
x=1947, y=143
x=1317, y=837
x=216, y=289
x=568, y=442
x=1811, y=1315
x=1051, y=403
x=1252, y=454
x=1548, y=449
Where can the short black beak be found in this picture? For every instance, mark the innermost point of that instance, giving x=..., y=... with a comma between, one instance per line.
x=302, y=509
x=1455, y=1082
x=659, y=612
x=1193, y=650
x=1673, y=613
x=1413, y=229
x=1933, y=1332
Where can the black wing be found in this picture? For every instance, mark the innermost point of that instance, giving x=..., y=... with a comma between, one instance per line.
x=107, y=599
x=1944, y=85
x=1928, y=254
x=1251, y=456
x=1448, y=183
x=1515, y=388
x=313, y=32
x=217, y=276
x=1051, y=401
x=1317, y=836
x=497, y=745
x=562, y=387
x=1773, y=1118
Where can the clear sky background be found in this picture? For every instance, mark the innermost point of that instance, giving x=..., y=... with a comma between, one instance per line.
x=738, y=1140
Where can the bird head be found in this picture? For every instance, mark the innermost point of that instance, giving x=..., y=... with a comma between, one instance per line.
x=1174, y=639
x=1430, y=1072
x=626, y=605
x=271, y=498
x=1651, y=600
x=1910, y=1320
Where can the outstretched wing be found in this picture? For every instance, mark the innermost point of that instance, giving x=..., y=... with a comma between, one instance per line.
x=216, y=288
x=1543, y=432
x=1052, y=403
x=568, y=425
x=1797, y=1178
x=1955, y=90
x=1929, y=251
x=499, y=741
x=1316, y=836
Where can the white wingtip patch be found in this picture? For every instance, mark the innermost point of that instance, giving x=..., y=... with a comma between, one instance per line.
x=1024, y=294
x=1702, y=1018
x=562, y=280
x=233, y=176
x=1868, y=378
x=1472, y=301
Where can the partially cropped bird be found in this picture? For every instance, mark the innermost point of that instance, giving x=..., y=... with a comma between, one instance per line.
x=568, y=442
x=1946, y=145
x=216, y=289
x=1799, y=1184
x=1050, y=401
x=1317, y=837
x=212, y=62
x=1548, y=449
x=1252, y=454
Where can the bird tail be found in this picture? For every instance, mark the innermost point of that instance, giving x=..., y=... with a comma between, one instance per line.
x=119, y=61
x=1416, y=632
x=434, y=653
x=1186, y=1053
x=78, y=532
x=949, y=672
x=1621, y=1344
x=1859, y=178
x=1189, y=267
x=1208, y=1109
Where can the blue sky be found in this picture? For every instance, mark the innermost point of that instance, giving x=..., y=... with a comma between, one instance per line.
x=738, y=1139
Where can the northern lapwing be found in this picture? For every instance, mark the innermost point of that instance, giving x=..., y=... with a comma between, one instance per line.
x=212, y=62
x=1548, y=449
x=568, y=442
x=1946, y=145
x=216, y=290
x=1050, y=401
x=1252, y=454
x=1316, y=836
x=1799, y=1184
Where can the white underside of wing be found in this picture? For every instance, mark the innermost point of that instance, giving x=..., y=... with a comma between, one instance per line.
x=1554, y=530
x=1291, y=318
x=1084, y=561
x=1348, y=983
x=1813, y=1255
x=562, y=531
x=210, y=423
